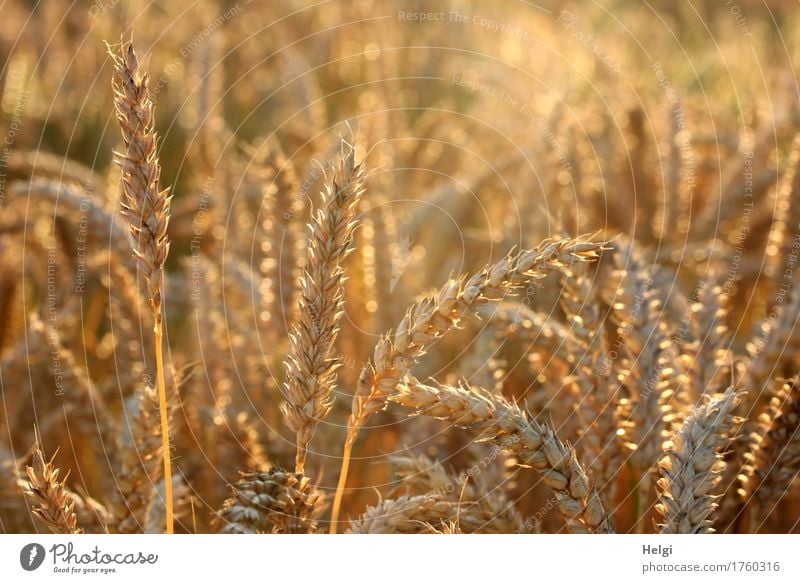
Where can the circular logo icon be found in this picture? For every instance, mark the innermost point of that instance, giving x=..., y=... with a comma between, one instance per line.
x=31, y=556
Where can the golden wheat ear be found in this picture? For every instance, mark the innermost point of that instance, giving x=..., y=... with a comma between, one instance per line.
x=311, y=366
x=273, y=501
x=691, y=466
x=51, y=503
x=404, y=515
x=774, y=457
x=533, y=443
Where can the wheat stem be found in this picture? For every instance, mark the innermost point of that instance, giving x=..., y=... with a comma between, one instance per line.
x=337, y=500
x=162, y=409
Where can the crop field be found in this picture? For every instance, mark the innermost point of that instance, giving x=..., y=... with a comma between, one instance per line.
x=399, y=267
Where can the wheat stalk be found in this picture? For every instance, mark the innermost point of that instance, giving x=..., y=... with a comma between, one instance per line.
x=311, y=365
x=147, y=209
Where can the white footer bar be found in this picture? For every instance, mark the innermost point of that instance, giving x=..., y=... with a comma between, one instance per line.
x=407, y=559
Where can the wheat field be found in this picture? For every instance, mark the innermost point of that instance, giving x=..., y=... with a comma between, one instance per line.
x=383, y=267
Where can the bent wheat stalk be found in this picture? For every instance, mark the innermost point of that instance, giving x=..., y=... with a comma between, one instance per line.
x=433, y=317
x=147, y=210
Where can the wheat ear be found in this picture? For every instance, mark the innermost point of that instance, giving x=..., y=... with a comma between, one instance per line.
x=147, y=210
x=140, y=467
x=691, y=466
x=774, y=460
x=597, y=405
x=433, y=317
x=270, y=502
x=404, y=515
x=482, y=504
x=535, y=444
x=52, y=504
x=311, y=366
x=284, y=240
